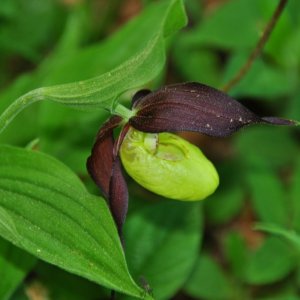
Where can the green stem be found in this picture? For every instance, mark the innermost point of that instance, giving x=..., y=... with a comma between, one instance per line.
x=123, y=112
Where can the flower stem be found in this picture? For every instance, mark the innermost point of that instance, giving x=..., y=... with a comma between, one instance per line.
x=257, y=50
x=123, y=111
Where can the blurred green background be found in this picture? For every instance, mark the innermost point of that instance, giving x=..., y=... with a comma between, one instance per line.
x=206, y=250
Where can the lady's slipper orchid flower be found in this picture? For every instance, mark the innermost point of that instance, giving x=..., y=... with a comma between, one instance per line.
x=159, y=160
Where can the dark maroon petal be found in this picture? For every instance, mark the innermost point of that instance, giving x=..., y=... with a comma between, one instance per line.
x=100, y=163
x=118, y=195
x=194, y=107
x=105, y=169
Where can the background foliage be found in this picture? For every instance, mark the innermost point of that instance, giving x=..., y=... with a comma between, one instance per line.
x=241, y=243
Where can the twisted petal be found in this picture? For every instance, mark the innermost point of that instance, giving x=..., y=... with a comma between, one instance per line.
x=105, y=169
x=99, y=164
x=194, y=107
x=118, y=195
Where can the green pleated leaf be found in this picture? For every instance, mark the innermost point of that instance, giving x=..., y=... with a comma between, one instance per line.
x=208, y=280
x=46, y=210
x=14, y=266
x=271, y=262
x=162, y=244
x=139, y=68
x=268, y=197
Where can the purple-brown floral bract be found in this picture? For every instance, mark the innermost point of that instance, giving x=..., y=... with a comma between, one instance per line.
x=179, y=107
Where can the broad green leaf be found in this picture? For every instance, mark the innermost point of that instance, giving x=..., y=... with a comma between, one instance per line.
x=293, y=8
x=289, y=235
x=71, y=143
x=251, y=19
x=293, y=110
x=271, y=262
x=289, y=294
x=235, y=250
x=197, y=51
x=294, y=197
x=14, y=266
x=101, y=91
x=19, y=295
x=274, y=147
x=21, y=35
x=289, y=55
x=48, y=212
x=220, y=28
x=225, y=204
x=194, y=10
x=162, y=244
x=263, y=80
x=8, y=8
x=194, y=63
x=268, y=197
x=279, y=43
x=73, y=287
x=208, y=281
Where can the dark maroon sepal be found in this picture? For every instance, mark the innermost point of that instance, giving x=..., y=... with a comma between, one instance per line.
x=105, y=169
x=100, y=163
x=194, y=107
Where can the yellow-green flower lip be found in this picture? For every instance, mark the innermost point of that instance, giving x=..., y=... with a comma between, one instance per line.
x=168, y=165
